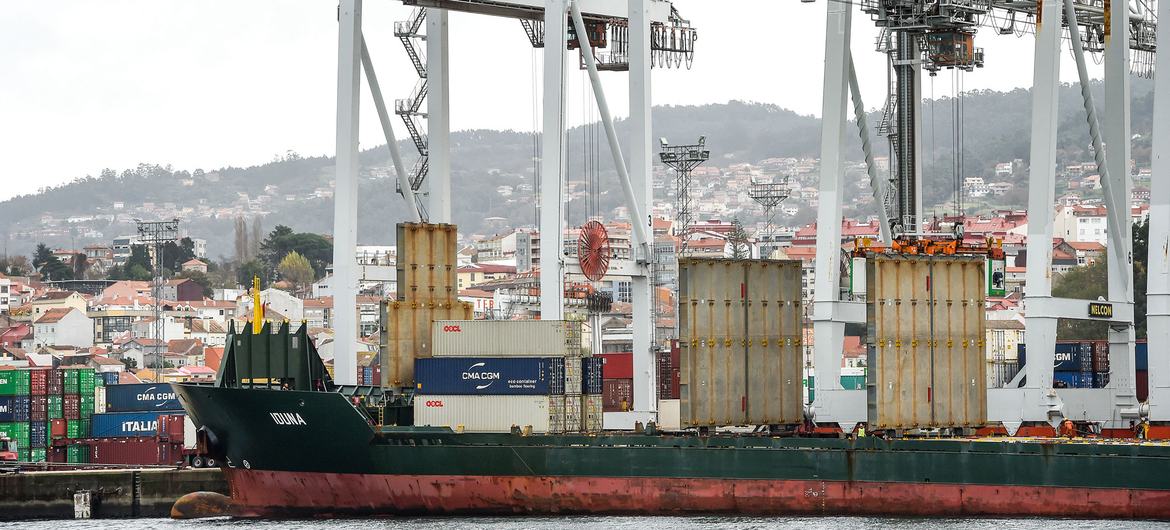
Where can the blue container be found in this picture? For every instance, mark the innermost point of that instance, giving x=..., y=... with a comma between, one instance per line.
x=38, y=434
x=1100, y=379
x=113, y=425
x=110, y=378
x=487, y=375
x=1072, y=379
x=1142, y=355
x=141, y=397
x=556, y=381
x=591, y=380
x=1068, y=357
x=14, y=408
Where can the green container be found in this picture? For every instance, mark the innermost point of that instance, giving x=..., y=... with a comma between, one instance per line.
x=17, y=432
x=86, y=381
x=14, y=382
x=72, y=377
x=98, y=381
x=55, y=408
x=36, y=455
x=77, y=454
x=22, y=455
x=87, y=403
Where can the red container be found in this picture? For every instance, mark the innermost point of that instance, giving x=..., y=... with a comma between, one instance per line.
x=1101, y=356
x=38, y=381
x=617, y=365
x=57, y=428
x=614, y=392
x=71, y=407
x=170, y=427
x=54, y=382
x=38, y=408
x=140, y=450
x=668, y=377
x=1143, y=385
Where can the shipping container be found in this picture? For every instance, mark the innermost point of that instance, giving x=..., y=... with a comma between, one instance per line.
x=38, y=381
x=506, y=338
x=1072, y=356
x=125, y=424
x=740, y=340
x=136, y=450
x=110, y=378
x=668, y=372
x=14, y=382
x=1101, y=356
x=36, y=454
x=925, y=341
x=141, y=397
x=54, y=407
x=483, y=413
x=618, y=365
x=58, y=428
x=99, y=400
x=55, y=383
x=485, y=375
x=424, y=268
x=78, y=428
x=17, y=432
x=71, y=407
x=23, y=454
x=77, y=454
x=592, y=375
x=1142, y=381
x=1142, y=355
x=38, y=434
x=1072, y=380
x=170, y=427
x=574, y=376
x=86, y=381
x=594, y=412
x=617, y=395
x=72, y=381
x=38, y=408
x=14, y=408
x=405, y=335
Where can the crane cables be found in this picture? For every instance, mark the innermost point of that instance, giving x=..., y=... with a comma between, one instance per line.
x=958, y=117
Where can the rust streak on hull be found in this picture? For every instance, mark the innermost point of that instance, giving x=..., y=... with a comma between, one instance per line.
x=282, y=494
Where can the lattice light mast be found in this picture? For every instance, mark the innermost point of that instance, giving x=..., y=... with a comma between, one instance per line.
x=683, y=159
x=156, y=234
x=769, y=195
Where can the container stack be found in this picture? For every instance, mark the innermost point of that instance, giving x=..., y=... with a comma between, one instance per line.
x=128, y=425
x=488, y=376
x=617, y=385
x=41, y=405
x=1078, y=364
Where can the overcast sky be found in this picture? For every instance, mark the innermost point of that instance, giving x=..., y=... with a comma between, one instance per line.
x=87, y=85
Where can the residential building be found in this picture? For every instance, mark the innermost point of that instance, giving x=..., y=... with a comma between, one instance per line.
x=477, y=273
x=194, y=264
x=1081, y=224
x=63, y=326
x=57, y=300
x=181, y=290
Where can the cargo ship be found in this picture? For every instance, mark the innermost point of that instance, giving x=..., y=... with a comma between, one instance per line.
x=294, y=444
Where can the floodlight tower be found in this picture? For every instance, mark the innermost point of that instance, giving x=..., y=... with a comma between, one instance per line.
x=157, y=234
x=683, y=159
x=769, y=195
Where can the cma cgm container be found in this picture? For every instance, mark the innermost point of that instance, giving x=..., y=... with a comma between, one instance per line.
x=124, y=424
x=483, y=413
x=489, y=376
x=141, y=398
x=506, y=338
x=14, y=408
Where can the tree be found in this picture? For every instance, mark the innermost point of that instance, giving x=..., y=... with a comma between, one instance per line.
x=51, y=267
x=254, y=243
x=14, y=266
x=738, y=239
x=241, y=240
x=282, y=240
x=1083, y=283
x=296, y=270
x=251, y=269
x=139, y=257
x=1141, y=256
x=80, y=265
x=176, y=254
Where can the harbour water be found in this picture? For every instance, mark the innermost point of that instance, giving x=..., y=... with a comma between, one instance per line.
x=594, y=523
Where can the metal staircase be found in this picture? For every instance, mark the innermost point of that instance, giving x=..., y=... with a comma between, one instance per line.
x=410, y=109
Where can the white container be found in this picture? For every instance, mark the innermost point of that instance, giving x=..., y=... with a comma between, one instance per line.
x=573, y=376
x=99, y=400
x=668, y=415
x=505, y=338
x=593, y=412
x=483, y=413
x=189, y=435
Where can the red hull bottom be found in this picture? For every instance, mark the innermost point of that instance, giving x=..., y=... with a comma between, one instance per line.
x=284, y=494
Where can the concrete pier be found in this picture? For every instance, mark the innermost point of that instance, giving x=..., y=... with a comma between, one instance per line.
x=119, y=492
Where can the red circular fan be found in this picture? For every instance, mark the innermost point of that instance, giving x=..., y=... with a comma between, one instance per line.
x=593, y=250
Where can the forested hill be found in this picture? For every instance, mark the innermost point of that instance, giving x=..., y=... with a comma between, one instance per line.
x=288, y=190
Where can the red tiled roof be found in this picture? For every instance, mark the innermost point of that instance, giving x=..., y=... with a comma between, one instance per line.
x=54, y=315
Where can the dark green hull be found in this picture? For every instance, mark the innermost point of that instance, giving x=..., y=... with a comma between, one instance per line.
x=290, y=452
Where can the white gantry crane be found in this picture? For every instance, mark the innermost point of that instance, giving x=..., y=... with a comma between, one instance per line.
x=642, y=32
x=922, y=35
